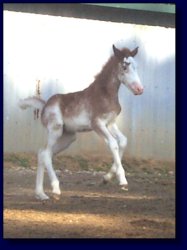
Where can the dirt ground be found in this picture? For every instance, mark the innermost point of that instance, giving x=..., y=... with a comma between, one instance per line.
x=87, y=207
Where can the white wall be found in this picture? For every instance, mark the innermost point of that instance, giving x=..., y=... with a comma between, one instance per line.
x=65, y=54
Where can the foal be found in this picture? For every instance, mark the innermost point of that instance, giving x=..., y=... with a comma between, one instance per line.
x=94, y=108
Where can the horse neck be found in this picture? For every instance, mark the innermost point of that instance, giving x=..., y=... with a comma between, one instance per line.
x=108, y=87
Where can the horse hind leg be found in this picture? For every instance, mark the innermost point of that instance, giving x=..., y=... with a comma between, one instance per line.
x=63, y=142
x=55, y=130
x=39, y=191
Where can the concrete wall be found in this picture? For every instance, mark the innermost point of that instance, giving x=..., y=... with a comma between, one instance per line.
x=60, y=55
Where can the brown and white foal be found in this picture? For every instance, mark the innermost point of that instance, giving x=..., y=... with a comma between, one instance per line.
x=94, y=108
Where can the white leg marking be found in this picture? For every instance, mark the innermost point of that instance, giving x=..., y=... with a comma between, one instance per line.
x=107, y=177
x=121, y=139
x=55, y=129
x=39, y=180
x=122, y=142
x=114, y=147
x=47, y=160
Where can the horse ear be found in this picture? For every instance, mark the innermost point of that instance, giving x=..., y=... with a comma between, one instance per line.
x=134, y=52
x=118, y=53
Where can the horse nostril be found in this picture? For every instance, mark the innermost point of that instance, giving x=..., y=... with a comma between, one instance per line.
x=137, y=88
x=140, y=89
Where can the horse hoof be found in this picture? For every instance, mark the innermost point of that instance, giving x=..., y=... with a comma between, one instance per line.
x=124, y=187
x=56, y=197
x=41, y=196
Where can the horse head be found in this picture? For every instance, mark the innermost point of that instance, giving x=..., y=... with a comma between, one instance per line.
x=127, y=71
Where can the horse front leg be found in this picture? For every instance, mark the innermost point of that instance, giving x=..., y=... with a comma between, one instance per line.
x=121, y=138
x=122, y=142
x=117, y=168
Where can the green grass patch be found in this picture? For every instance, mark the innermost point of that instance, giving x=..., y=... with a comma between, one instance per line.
x=17, y=160
x=83, y=163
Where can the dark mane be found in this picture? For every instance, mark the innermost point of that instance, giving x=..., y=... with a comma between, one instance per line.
x=108, y=68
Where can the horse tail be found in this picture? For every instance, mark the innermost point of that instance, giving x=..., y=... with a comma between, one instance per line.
x=34, y=102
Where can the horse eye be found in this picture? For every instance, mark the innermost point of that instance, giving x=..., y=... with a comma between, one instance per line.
x=125, y=65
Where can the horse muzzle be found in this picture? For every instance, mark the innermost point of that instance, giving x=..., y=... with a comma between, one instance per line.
x=137, y=89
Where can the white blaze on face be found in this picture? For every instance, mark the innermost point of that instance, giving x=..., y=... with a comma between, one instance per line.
x=129, y=76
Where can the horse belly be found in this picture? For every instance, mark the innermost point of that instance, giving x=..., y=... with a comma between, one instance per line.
x=79, y=123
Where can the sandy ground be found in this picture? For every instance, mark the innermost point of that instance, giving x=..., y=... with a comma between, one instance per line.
x=88, y=208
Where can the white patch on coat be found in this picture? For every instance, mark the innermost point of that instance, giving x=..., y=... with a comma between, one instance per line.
x=79, y=123
x=131, y=61
x=108, y=118
x=54, y=117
